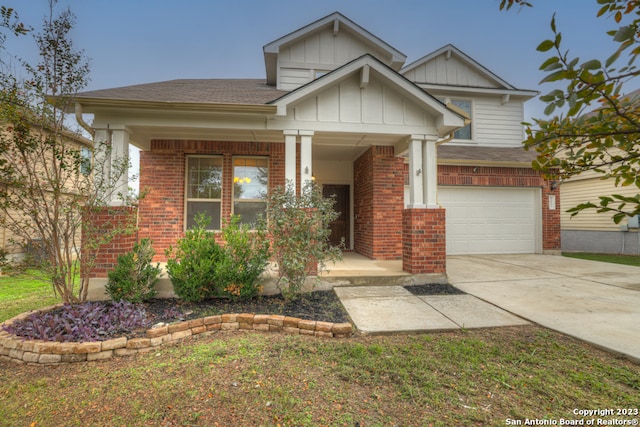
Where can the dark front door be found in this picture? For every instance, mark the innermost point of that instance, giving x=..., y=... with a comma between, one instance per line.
x=340, y=227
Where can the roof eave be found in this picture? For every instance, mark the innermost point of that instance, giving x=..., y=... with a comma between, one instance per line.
x=219, y=107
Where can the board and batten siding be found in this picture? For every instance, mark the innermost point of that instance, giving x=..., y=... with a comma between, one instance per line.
x=579, y=191
x=377, y=104
x=449, y=71
x=321, y=52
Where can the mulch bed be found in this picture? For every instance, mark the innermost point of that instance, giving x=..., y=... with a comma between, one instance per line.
x=319, y=305
x=434, y=289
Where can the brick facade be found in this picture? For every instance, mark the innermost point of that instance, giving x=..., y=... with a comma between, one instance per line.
x=378, y=187
x=383, y=229
x=109, y=218
x=162, y=178
x=424, y=241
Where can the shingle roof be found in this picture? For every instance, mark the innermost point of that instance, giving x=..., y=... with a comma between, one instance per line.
x=224, y=91
x=491, y=154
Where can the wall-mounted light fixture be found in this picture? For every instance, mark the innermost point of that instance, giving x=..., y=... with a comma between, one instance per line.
x=419, y=172
x=306, y=170
x=554, y=185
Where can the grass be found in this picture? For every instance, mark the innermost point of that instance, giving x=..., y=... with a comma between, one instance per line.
x=468, y=377
x=477, y=377
x=633, y=260
x=22, y=293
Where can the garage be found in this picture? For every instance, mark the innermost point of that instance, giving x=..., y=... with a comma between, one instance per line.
x=491, y=220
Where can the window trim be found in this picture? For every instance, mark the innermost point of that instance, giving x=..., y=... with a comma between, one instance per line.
x=188, y=199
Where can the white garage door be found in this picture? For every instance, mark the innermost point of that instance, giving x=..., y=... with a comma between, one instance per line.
x=491, y=220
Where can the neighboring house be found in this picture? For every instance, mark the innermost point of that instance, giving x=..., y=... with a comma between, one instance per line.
x=15, y=246
x=594, y=232
x=590, y=231
x=394, y=143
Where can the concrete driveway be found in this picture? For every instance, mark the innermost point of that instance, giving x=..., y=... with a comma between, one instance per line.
x=594, y=301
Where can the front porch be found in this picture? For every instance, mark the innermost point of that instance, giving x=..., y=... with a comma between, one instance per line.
x=358, y=270
x=353, y=270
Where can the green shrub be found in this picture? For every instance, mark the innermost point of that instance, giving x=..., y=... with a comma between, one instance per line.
x=299, y=228
x=200, y=268
x=245, y=257
x=134, y=277
x=192, y=265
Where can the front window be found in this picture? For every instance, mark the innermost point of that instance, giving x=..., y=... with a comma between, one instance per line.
x=204, y=190
x=250, y=180
x=465, y=132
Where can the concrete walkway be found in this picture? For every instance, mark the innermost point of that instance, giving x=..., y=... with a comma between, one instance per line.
x=593, y=301
x=389, y=309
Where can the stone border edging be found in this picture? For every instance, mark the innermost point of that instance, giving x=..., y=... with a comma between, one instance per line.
x=19, y=350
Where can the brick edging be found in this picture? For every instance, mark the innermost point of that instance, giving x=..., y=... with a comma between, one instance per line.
x=19, y=350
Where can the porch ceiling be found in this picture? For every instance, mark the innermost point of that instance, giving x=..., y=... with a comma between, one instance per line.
x=326, y=145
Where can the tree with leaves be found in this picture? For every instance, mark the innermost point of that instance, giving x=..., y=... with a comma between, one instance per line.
x=599, y=129
x=48, y=181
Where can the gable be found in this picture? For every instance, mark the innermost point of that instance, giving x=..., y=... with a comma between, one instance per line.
x=320, y=47
x=449, y=66
x=322, y=52
x=379, y=103
x=367, y=96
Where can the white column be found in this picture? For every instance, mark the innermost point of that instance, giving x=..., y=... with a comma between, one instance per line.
x=119, y=161
x=306, y=171
x=290, y=137
x=430, y=173
x=416, y=193
x=101, y=138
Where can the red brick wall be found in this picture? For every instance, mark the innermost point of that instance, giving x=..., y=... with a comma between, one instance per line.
x=100, y=222
x=424, y=241
x=378, y=203
x=510, y=177
x=162, y=177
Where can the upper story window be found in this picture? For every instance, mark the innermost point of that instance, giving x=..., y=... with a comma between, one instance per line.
x=204, y=190
x=465, y=132
x=86, y=157
x=250, y=184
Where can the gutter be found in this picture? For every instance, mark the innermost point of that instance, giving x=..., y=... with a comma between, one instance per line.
x=189, y=106
x=80, y=120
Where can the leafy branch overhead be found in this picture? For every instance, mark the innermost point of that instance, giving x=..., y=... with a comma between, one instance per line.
x=54, y=178
x=598, y=129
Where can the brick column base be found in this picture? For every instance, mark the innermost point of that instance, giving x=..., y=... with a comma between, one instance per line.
x=103, y=221
x=424, y=241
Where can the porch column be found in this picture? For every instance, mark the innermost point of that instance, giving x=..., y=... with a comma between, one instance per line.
x=290, y=140
x=306, y=171
x=109, y=163
x=430, y=173
x=424, y=240
x=119, y=163
x=416, y=172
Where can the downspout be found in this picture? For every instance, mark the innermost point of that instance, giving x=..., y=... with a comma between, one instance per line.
x=81, y=121
x=445, y=139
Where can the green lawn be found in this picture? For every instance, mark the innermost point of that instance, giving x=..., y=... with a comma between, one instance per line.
x=617, y=259
x=23, y=293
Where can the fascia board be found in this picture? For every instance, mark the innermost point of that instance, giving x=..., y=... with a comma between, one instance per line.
x=89, y=103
